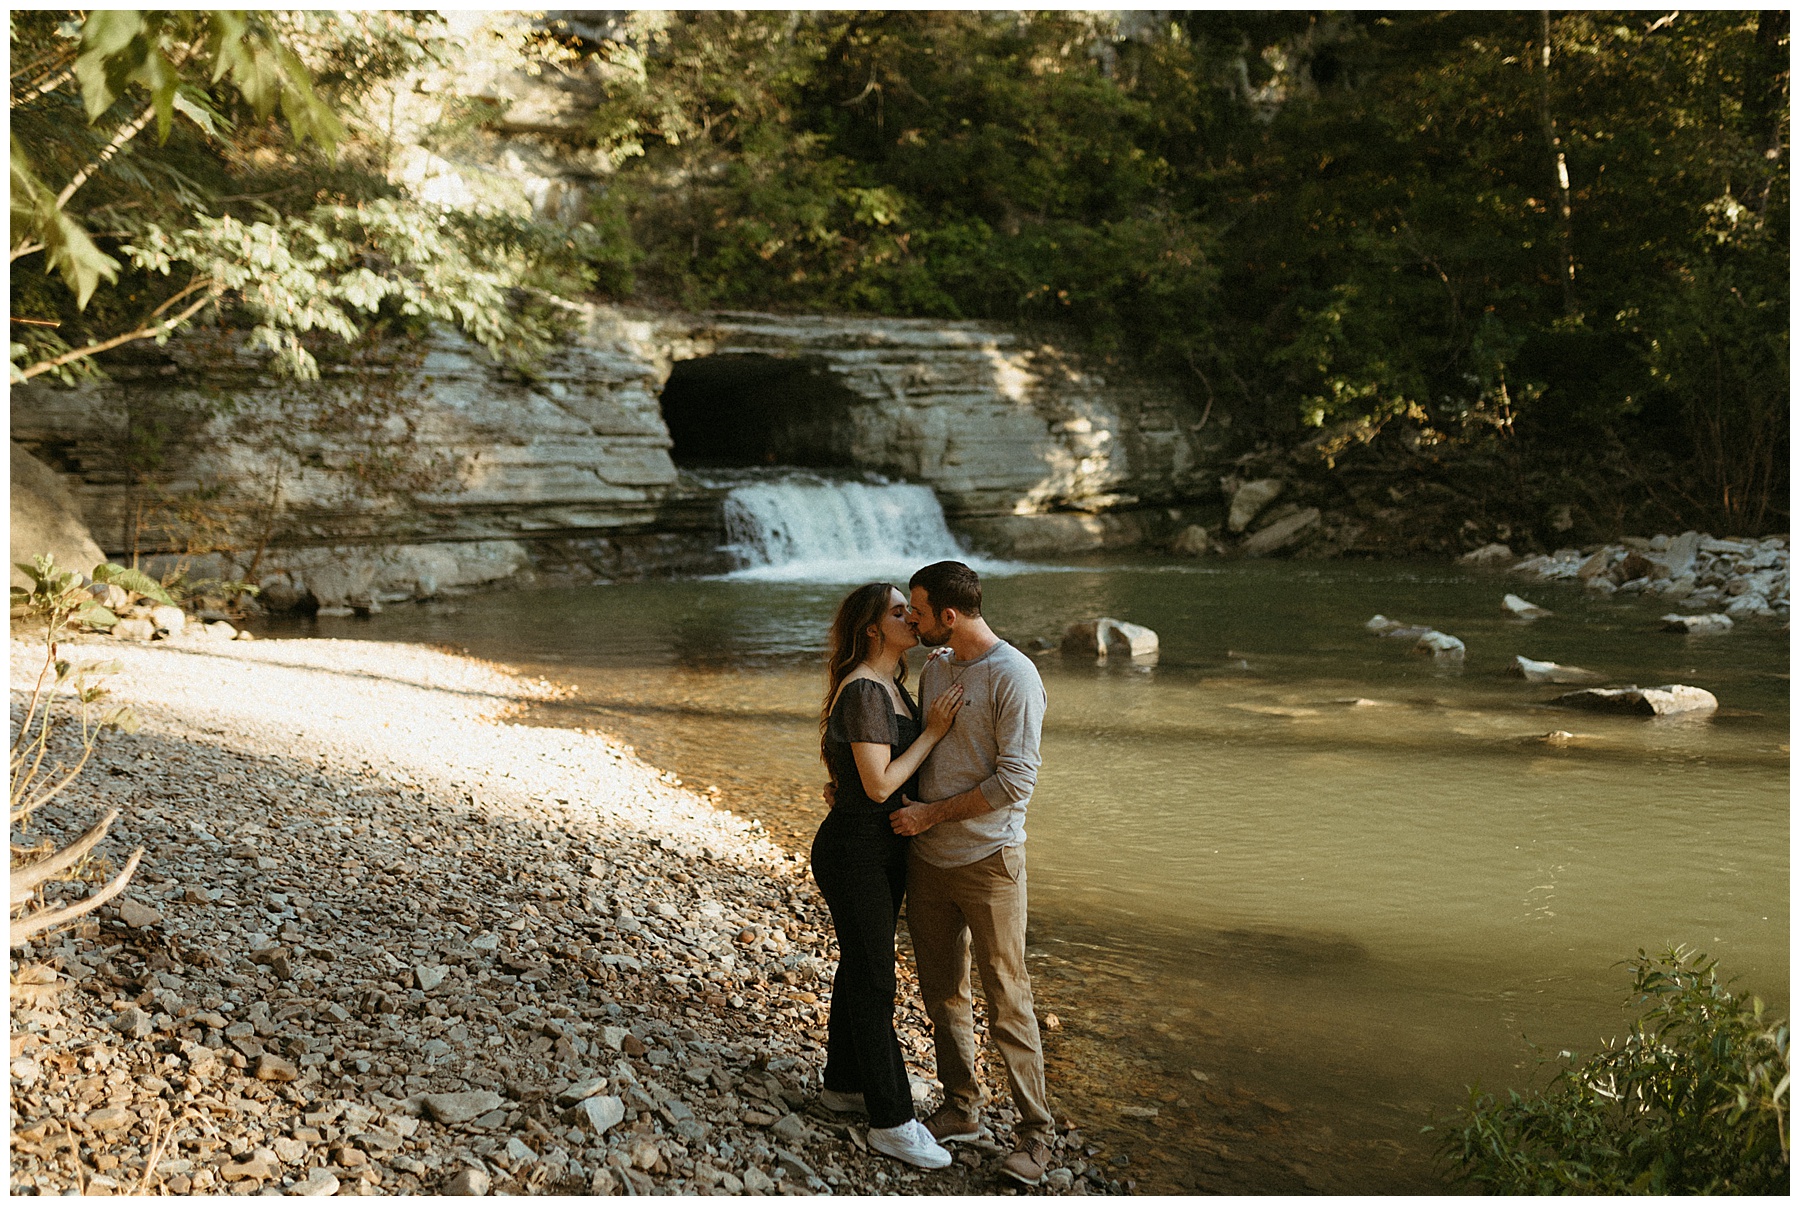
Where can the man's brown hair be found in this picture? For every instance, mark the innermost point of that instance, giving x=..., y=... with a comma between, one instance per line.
x=950, y=584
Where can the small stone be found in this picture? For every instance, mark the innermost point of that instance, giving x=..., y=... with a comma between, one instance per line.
x=428, y=978
x=598, y=1114
x=137, y=915
x=614, y=1037
x=518, y=1153
x=256, y=1168
x=452, y=1108
x=111, y=1118
x=134, y=629
x=468, y=1183
x=631, y=1044
x=168, y=619
x=288, y=1150
x=320, y=1184
x=581, y=1090
x=273, y=1067
x=1052, y=1022
x=796, y=1167
x=219, y=630
x=758, y=1181
x=133, y=1023
x=791, y=1128
x=1061, y=1179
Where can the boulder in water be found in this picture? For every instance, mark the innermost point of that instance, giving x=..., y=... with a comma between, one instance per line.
x=1522, y=609
x=1699, y=625
x=1383, y=627
x=1672, y=700
x=1487, y=554
x=1098, y=638
x=1439, y=644
x=1550, y=672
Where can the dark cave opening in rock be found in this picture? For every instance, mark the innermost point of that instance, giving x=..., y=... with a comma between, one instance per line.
x=741, y=410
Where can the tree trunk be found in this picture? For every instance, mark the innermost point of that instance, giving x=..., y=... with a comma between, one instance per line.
x=1565, y=211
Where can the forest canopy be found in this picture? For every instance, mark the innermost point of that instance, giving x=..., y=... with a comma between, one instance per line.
x=1527, y=245
x=1567, y=229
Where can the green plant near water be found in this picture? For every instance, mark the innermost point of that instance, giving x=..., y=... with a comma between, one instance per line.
x=1693, y=1100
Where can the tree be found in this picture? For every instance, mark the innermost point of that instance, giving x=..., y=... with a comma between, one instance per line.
x=251, y=201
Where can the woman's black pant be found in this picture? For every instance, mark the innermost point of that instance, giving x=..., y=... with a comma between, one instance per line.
x=859, y=863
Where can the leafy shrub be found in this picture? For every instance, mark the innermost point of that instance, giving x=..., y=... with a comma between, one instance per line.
x=1692, y=1101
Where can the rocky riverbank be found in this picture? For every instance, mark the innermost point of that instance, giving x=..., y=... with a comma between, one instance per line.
x=385, y=941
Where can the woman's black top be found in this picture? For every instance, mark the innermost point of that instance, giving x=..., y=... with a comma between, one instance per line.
x=865, y=712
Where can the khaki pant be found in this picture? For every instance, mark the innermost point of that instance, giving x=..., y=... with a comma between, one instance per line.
x=949, y=911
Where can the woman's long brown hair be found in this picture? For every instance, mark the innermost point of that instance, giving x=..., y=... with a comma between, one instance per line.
x=851, y=644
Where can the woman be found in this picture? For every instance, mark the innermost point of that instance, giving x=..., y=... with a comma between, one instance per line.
x=872, y=743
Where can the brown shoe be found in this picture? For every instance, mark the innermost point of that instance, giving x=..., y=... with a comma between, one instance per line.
x=1028, y=1165
x=950, y=1124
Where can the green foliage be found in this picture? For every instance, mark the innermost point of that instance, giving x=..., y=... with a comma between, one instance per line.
x=255, y=205
x=132, y=580
x=1694, y=1100
x=1338, y=221
x=58, y=599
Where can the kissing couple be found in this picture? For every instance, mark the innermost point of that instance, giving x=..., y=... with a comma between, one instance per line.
x=928, y=807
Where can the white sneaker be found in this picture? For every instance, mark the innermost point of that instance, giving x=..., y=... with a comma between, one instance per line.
x=909, y=1142
x=842, y=1103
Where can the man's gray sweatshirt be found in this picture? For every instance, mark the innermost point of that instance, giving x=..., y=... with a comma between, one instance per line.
x=993, y=746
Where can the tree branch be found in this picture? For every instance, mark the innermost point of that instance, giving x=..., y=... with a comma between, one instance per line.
x=44, y=366
x=123, y=135
x=23, y=928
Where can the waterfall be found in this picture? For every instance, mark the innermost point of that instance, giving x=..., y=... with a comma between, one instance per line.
x=803, y=527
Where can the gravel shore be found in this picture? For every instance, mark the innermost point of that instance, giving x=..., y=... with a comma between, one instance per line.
x=383, y=940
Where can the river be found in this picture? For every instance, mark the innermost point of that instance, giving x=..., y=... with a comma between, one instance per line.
x=1294, y=886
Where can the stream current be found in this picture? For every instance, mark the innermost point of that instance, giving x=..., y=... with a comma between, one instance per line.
x=1293, y=887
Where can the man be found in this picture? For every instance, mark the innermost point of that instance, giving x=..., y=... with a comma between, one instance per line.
x=966, y=867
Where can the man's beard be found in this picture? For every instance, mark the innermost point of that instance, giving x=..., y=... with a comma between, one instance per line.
x=932, y=641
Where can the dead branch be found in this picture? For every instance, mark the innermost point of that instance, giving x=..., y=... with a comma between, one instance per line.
x=23, y=929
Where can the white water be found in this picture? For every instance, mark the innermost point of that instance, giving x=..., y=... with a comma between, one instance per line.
x=809, y=529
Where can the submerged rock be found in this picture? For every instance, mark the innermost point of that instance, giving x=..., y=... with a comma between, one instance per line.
x=1383, y=627
x=1098, y=638
x=1523, y=609
x=1439, y=644
x=1698, y=625
x=1672, y=700
x=1550, y=672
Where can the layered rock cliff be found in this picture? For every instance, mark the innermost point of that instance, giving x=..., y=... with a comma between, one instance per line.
x=409, y=475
